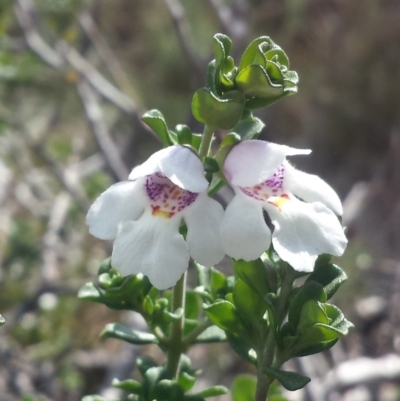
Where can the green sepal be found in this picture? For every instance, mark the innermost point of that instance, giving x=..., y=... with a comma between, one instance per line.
x=244, y=388
x=218, y=112
x=248, y=128
x=309, y=291
x=184, y=134
x=210, y=165
x=214, y=391
x=156, y=121
x=254, y=274
x=330, y=276
x=225, y=316
x=129, y=385
x=292, y=381
x=120, y=332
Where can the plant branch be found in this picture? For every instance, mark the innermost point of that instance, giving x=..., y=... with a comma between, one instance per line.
x=175, y=344
x=206, y=142
x=99, y=127
x=188, y=340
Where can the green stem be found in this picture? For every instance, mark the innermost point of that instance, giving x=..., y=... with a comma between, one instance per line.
x=175, y=344
x=206, y=142
x=268, y=354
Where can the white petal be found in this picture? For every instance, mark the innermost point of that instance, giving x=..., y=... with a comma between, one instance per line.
x=154, y=247
x=252, y=162
x=244, y=233
x=151, y=165
x=311, y=188
x=305, y=230
x=121, y=202
x=179, y=164
x=203, y=219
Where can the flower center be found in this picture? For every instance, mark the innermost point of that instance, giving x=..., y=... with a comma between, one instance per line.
x=166, y=198
x=271, y=187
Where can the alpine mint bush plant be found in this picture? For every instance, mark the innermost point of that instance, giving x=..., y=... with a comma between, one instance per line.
x=164, y=215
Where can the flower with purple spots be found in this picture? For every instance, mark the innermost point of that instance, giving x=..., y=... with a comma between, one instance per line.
x=302, y=208
x=144, y=214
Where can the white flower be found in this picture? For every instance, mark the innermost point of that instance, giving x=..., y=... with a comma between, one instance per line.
x=264, y=181
x=144, y=214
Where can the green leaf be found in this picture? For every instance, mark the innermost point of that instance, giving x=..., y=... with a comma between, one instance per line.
x=212, y=334
x=330, y=276
x=255, y=81
x=218, y=112
x=218, y=282
x=196, y=141
x=254, y=274
x=316, y=348
x=184, y=134
x=120, y=332
x=259, y=103
x=290, y=380
x=192, y=305
x=156, y=121
x=105, y=266
x=167, y=390
x=241, y=346
x=244, y=388
x=186, y=381
x=214, y=391
x=224, y=315
x=253, y=51
x=309, y=291
x=222, y=47
x=129, y=385
x=251, y=307
x=248, y=128
x=144, y=363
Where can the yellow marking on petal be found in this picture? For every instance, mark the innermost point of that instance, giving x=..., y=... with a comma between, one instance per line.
x=279, y=201
x=162, y=213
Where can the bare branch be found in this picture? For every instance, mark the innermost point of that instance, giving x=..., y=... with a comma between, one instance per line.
x=100, y=130
x=106, y=54
x=97, y=80
x=22, y=10
x=178, y=16
x=232, y=24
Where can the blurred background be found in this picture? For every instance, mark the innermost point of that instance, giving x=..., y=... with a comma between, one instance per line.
x=75, y=78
